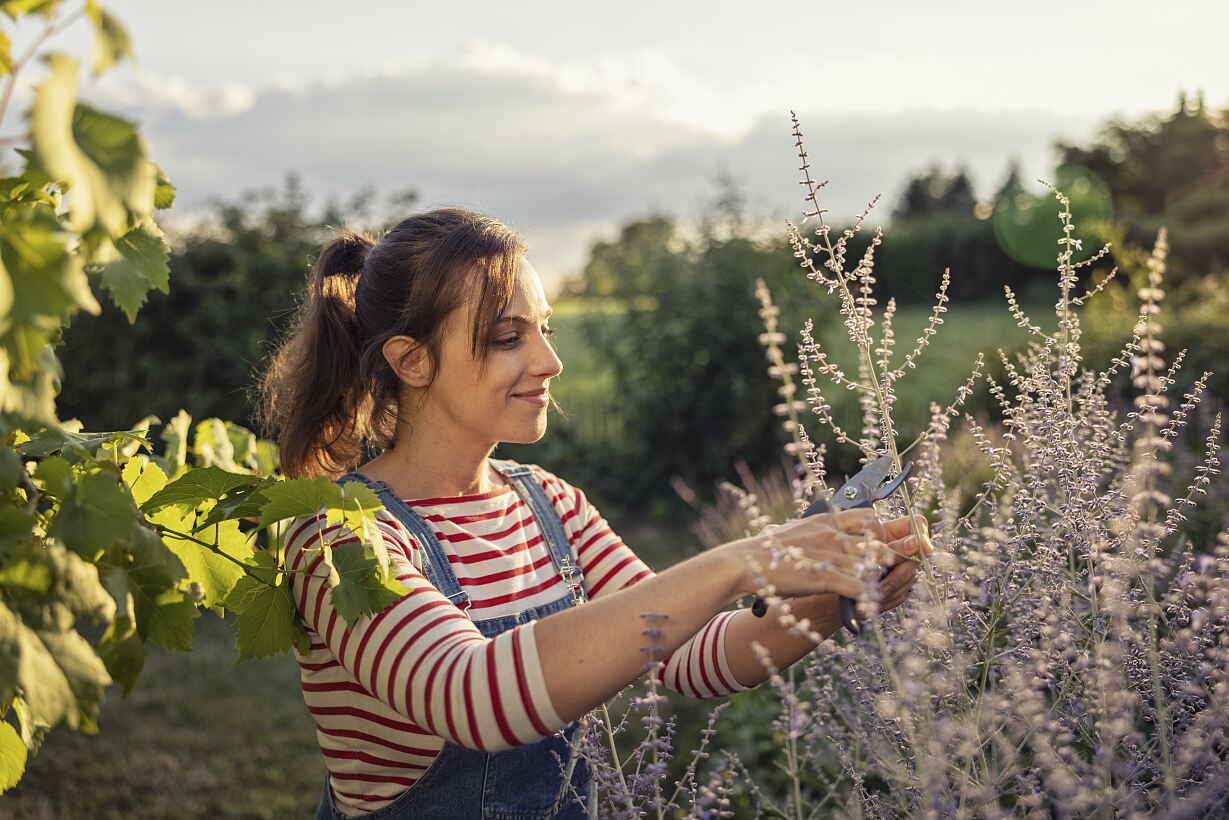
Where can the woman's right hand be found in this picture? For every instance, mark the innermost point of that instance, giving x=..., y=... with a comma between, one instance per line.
x=818, y=554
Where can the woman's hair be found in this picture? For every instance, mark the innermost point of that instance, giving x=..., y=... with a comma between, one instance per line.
x=327, y=390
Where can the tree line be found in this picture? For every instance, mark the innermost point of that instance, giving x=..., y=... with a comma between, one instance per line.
x=689, y=374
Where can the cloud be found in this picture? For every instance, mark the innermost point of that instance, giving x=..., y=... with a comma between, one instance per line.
x=562, y=151
x=153, y=97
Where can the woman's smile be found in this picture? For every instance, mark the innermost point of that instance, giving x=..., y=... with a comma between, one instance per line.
x=538, y=398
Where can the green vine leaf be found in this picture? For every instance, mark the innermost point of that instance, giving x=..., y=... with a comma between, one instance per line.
x=16, y=527
x=57, y=673
x=13, y=755
x=266, y=623
x=16, y=8
x=6, y=59
x=111, y=40
x=164, y=191
x=197, y=486
x=115, y=582
x=141, y=266
x=298, y=496
x=362, y=588
x=153, y=565
x=54, y=476
x=165, y=618
x=7, y=297
x=123, y=655
x=47, y=284
x=212, y=445
x=32, y=733
x=351, y=504
x=175, y=436
x=11, y=468
x=46, y=582
x=96, y=514
x=216, y=574
x=143, y=479
x=77, y=447
x=85, y=672
x=242, y=503
x=99, y=157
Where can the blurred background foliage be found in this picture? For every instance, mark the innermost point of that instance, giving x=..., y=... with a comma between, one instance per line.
x=664, y=375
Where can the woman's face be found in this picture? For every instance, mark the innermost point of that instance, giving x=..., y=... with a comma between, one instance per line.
x=504, y=398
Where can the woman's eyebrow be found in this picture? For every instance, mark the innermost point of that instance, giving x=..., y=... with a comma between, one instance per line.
x=525, y=320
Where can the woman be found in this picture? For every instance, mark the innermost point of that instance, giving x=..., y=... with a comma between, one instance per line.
x=463, y=698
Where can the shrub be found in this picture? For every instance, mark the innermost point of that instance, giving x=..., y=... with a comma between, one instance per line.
x=1067, y=652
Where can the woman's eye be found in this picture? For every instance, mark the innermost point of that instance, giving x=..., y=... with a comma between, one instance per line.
x=514, y=340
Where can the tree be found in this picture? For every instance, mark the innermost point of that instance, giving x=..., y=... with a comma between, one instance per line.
x=631, y=265
x=237, y=278
x=1168, y=170
x=934, y=192
x=689, y=380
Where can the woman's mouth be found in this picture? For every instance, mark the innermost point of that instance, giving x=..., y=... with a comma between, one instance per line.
x=538, y=398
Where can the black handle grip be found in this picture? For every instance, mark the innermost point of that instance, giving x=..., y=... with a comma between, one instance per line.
x=849, y=615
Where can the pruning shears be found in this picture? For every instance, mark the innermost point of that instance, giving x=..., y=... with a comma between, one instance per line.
x=868, y=485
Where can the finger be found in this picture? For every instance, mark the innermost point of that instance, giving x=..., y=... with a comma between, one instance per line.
x=906, y=525
x=840, y=562
x=895, y=596
x=866, y=548
x=896, y=600
x=909, y=547
x=848, y=586
x=860, y=521
x=902, y=576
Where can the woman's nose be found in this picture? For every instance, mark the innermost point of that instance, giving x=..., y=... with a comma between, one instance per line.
x=547, y=362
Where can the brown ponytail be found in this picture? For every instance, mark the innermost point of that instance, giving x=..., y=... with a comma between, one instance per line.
x=327, y=390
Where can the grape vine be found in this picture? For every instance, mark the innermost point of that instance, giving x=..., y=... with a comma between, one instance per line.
x=112, y=540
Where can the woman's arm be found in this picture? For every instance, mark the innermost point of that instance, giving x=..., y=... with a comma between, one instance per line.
x=590, y=653
x=421, y=657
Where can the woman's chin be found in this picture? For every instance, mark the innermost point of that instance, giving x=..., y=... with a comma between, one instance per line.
x=530, y=435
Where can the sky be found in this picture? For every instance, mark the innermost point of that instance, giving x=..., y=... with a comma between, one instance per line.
x=568, y=119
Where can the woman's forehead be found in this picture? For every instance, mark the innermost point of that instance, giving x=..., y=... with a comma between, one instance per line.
x=528, y=296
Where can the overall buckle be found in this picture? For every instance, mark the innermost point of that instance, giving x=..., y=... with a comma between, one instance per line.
x=572, y=576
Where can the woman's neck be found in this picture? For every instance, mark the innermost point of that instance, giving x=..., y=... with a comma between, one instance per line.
x=434, y=467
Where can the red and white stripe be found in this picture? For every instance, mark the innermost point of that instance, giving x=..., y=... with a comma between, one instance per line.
x=387, y=691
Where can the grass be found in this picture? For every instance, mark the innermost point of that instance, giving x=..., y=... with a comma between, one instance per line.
x=968, y=329
x=198, y=737
x=587, y=386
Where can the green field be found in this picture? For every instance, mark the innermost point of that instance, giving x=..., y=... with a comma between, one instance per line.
x=968, y=329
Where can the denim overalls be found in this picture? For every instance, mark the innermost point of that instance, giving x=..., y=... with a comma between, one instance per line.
x=522, y=783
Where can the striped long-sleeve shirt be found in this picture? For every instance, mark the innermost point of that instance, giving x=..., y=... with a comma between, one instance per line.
x=387, y=691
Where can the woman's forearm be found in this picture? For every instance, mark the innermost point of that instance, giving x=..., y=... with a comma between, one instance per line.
x=821, y=611
x=590, y=653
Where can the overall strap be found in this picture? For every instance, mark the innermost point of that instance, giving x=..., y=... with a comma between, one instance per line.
x=435, y=562
x=531, y=492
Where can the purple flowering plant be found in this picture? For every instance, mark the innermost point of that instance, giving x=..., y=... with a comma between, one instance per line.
x=1065, y=652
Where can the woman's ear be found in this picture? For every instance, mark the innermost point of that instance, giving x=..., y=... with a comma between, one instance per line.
x=409, y=360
